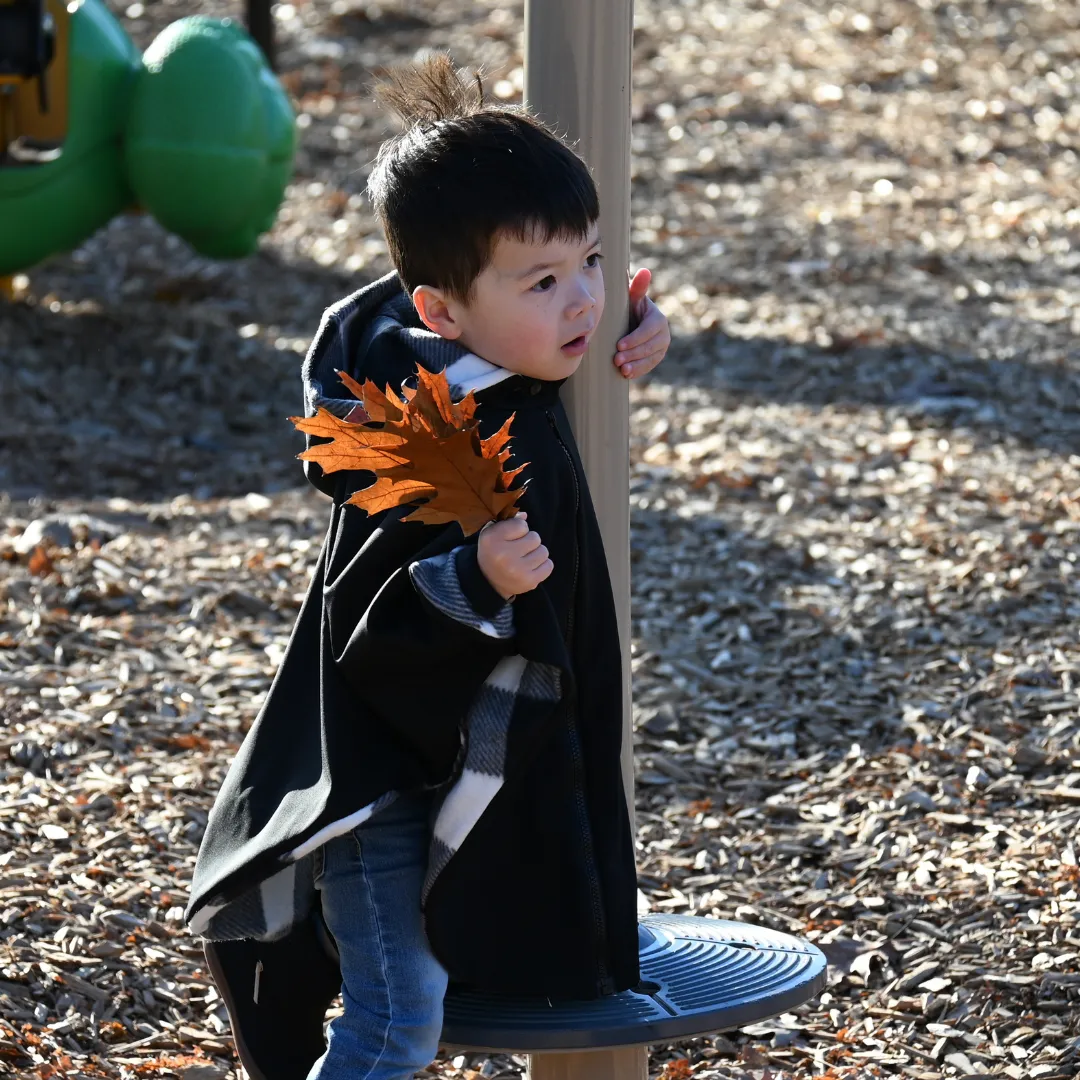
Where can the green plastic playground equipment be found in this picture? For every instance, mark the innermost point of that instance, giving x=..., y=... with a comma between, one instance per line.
x=197, y=132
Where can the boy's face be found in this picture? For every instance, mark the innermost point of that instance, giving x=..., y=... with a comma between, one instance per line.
x=533, y=309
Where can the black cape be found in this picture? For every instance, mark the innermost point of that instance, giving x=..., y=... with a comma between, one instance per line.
x=373, y=693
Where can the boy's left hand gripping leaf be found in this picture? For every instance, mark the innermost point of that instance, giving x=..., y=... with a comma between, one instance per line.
x=426, y=447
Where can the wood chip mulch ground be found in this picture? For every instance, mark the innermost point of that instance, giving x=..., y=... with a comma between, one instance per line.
x=856, y=522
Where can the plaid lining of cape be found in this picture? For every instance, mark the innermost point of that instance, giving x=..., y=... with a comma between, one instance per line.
x=269, y=909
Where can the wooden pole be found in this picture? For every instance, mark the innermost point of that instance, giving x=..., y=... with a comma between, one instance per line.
x=577, y=77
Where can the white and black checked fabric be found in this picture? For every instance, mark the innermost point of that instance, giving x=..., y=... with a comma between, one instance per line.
x=481, y=777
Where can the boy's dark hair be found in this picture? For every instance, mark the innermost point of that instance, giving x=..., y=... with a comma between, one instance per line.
x=462, y=173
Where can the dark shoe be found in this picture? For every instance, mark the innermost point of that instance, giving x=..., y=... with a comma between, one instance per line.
x=277, y=994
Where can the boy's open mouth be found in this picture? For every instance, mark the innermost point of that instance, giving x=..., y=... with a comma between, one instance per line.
x=577, y=345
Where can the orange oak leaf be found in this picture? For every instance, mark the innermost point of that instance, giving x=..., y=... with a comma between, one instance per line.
x=679, y=1069
x=424, y=448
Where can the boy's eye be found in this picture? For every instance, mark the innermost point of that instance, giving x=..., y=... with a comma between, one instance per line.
x=595, y=257
x=544, y=284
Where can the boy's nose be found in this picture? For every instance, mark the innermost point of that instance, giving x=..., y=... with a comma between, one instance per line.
x=581, y=302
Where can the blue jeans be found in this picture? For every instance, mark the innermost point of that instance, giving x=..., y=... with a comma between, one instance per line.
x=392, y=986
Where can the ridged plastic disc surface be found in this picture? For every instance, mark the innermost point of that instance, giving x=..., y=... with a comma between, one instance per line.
x=699, y=976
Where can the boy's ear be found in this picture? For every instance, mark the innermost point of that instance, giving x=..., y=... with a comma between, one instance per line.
x=435, y=311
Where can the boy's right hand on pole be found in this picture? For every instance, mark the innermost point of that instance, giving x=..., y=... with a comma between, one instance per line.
x=512, y=557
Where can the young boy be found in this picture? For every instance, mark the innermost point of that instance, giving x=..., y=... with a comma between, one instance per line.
x=432, y=789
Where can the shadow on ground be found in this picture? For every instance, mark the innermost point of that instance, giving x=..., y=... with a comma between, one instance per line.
x=183, y=385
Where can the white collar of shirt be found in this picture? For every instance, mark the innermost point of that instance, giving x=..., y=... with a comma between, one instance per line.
x=473, y=373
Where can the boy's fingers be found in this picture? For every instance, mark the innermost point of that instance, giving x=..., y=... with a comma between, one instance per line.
x=645, y=332
x=527, y=543
x=646, y=361
x=641, y=367
x=641, y=348
x=639, y=285
x=535, y=559
x=538, y=574
x=638, y=336
x=642, y=352
x=513, y=528
x=501, y=522
x=651, y=322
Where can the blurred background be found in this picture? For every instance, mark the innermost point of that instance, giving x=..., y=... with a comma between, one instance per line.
x=856, y=496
